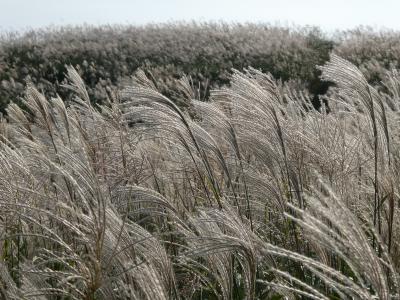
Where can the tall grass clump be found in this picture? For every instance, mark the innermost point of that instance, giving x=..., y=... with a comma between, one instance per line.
x=251, y=195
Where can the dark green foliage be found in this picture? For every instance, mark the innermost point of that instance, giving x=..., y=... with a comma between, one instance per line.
x=106, y=56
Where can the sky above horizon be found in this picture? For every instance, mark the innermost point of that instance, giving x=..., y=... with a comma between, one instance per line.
x=329, y=15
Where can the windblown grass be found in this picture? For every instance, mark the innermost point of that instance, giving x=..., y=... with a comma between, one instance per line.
x=252, y=195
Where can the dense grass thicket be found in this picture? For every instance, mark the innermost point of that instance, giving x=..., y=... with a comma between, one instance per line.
x=253, y=194
x=107, y=56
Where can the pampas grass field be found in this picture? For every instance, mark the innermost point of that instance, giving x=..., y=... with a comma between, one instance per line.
x=252, y=194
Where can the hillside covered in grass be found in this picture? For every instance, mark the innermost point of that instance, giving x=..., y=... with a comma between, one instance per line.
x=107, y=56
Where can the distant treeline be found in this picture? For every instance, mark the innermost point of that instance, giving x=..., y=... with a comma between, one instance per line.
x=107, y=56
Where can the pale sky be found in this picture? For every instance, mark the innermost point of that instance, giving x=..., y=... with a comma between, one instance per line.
x=329, y=15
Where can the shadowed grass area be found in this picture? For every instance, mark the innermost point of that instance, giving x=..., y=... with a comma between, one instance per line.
x=106, y=56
